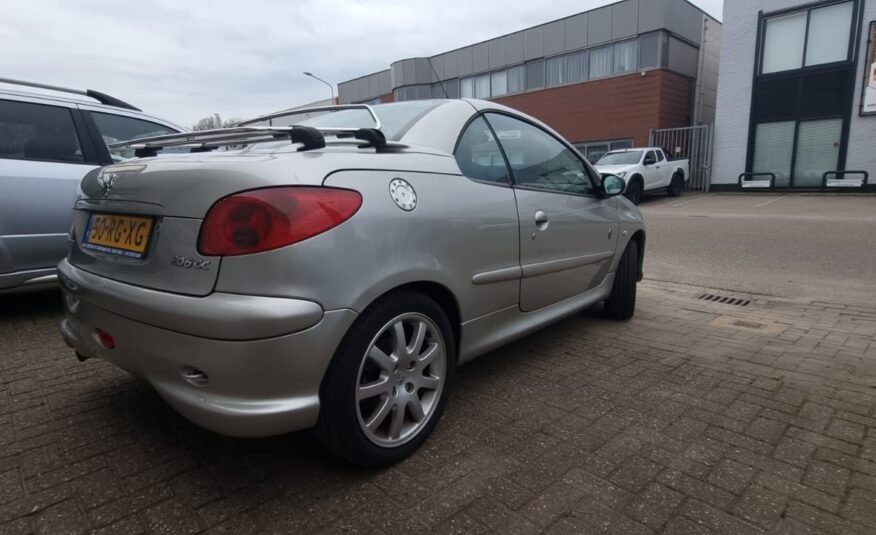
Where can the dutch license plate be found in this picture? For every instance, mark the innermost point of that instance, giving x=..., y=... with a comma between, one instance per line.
x=118, y=234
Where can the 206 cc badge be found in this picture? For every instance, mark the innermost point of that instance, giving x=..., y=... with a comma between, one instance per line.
x=403, y=194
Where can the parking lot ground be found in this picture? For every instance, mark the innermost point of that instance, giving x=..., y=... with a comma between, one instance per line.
x=694, y=417
x=809, y=246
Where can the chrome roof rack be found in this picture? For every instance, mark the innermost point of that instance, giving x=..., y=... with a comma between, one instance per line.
x=206, y=140
x=103, y=98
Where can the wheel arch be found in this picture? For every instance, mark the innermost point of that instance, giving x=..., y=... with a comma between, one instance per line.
x=636, y=177
x=639, y=238
x=442, y=295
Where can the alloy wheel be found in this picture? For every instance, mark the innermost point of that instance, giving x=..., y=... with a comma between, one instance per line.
x=400, y=379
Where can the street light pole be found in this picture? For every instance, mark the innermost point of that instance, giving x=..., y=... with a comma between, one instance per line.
x=331, y=87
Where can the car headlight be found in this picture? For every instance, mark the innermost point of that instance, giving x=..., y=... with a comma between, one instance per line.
x=622, y=174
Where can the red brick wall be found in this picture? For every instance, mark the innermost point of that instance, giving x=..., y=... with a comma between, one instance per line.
x=614, y=108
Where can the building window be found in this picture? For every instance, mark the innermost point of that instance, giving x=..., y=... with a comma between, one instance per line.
x=773, y=150
x=516, y=79
x=482, y=86
x=828, y=38
x=822, y=33
x=649, y=51
x=466, y=88
x=576, y=67
x=601, y=61
x=783, y=45
x=499, y=83
x=413, y=92
x=535, y=74
x=625, y=56
x=818, y=145
x=554, y=71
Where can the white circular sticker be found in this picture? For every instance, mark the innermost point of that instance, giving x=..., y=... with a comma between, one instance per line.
x=403, y=194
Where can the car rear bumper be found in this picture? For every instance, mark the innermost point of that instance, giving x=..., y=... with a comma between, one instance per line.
x=248, y=388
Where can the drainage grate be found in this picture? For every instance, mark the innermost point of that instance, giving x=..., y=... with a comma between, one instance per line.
x=724, y=300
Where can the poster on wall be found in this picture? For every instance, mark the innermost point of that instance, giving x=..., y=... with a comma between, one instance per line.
x=868, y=105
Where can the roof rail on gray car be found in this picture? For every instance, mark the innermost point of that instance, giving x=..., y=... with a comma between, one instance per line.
x=103, y=98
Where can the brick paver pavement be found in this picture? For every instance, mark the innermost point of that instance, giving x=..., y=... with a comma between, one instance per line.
x=695, y=417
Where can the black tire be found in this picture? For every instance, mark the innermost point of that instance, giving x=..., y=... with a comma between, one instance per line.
x=338, y=427
x=621, y=303
x=634, y=191
x=675, y=185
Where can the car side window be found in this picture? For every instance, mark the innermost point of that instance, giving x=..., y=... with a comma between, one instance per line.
x=38, y=132
x=115, y=128
x=539, y=160
x=478, y=154
x=660, y=157
x=649, y=158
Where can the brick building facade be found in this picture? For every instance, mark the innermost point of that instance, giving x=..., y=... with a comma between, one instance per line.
x=603, y=78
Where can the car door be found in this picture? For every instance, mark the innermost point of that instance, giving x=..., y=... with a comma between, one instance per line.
x=44, y=153
x=568, y=231
x=663, y=168
x=651, y=170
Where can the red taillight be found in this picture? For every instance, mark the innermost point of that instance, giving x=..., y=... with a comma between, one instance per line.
x=264, y=219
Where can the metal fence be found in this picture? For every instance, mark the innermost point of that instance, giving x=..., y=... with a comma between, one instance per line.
x=693, y=143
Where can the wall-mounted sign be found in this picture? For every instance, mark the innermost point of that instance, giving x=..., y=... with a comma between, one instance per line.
x=868, y=100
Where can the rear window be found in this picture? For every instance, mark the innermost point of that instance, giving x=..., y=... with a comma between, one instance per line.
x=38, y=132
x=621, y=158
x=115, y=128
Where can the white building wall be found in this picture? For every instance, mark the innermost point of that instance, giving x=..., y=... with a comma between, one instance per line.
x=862, y=130
x=734, y=91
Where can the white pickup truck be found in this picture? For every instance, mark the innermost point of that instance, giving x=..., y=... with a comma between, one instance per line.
x=645, y=170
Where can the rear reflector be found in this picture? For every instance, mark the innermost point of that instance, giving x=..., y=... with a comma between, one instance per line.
x=105, y=338
x=263, y=219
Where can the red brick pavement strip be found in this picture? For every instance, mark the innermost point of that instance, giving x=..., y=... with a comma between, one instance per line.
x=695, y=417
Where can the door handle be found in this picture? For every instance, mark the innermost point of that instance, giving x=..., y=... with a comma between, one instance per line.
x=541, y=218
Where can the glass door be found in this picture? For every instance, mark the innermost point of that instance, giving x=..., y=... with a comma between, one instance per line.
x=818, y=146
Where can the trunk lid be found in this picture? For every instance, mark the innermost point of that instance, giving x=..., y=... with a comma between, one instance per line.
x=161, y=202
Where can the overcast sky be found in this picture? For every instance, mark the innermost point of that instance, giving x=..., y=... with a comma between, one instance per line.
x=183, y=60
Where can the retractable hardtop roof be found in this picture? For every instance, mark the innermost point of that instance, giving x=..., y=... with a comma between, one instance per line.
x=103, y=98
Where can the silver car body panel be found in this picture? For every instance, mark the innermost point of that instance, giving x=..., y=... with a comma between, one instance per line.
x=256, y=388
x=220, y=316
x=477, y=242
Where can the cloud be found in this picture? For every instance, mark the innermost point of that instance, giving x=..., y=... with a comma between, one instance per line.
x=186, y=60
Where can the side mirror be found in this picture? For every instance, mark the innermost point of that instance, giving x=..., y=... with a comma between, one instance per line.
x=612, y=185
x=649, y=160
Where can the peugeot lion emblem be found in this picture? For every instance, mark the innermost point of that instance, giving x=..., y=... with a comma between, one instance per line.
x=107, y=181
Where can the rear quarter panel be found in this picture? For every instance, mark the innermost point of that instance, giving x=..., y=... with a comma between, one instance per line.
x=459, y=228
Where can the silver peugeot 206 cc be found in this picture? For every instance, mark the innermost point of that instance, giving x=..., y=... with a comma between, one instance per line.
x=332, y=274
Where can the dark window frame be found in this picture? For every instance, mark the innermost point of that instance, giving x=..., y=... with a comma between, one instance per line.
x=850, y=64
x=851, y=51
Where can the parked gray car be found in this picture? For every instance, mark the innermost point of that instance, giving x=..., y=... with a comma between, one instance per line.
x=335, y=275
x=48, y=142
